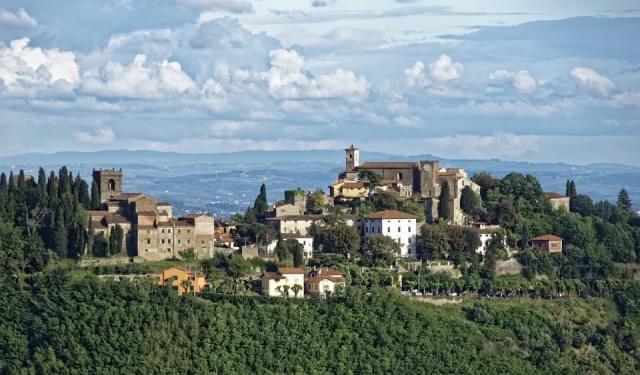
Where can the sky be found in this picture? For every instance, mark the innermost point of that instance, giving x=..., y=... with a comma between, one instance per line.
x=517, y=80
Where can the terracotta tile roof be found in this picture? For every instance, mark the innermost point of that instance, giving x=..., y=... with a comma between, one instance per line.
x=291, y=271
x=296, y=217
x=387, y=165
x=126, y=196
x=547, y=237
x=554, y=195
x=116, y=219
x=353, y=185
x=390, y=214
x=272, y=275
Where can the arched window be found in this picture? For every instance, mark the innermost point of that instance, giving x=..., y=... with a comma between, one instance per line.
x=111, y=185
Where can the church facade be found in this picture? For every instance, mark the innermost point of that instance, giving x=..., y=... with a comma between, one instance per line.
x=422, y=179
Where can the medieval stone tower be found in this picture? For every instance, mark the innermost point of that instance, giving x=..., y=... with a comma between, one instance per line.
x=109, y=183
x=352, y=158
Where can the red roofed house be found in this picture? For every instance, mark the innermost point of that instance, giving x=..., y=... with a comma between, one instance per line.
x=399, y=226
x=282, y=283
x=548, y=243
x=324, y=282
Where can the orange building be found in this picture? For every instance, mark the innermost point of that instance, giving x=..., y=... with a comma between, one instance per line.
x=183, y=280
x=548, y=243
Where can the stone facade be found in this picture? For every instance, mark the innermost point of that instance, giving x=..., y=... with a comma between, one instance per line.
x=109, y=183
x=423, y=179
x=558, y=200
x=150, y=230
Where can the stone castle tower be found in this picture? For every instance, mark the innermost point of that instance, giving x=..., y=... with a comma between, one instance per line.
x=109, y=183
x=352, y=158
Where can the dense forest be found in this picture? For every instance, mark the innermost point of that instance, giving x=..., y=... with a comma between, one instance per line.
x=78, y=324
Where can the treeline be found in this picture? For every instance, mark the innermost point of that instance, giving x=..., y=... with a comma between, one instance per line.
x=82, y=325
x=42, y=217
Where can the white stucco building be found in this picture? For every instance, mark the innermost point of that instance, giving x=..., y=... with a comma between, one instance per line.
x=486, y=233
x=300, y=224
x=276, y=284
x=400, y=226
x=324, y=282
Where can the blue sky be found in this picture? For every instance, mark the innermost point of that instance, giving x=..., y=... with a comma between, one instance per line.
x=518, y=80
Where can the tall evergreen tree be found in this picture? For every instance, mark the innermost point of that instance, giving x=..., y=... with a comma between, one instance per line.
x=573, y=193
x=42, y=184
x=444, y=212
x=4, y=194
x=469, y=202
x=95, y=196
x=82, y=189
x=60, y=233
x=260, y=205
x=624, y=202
x=52, y=190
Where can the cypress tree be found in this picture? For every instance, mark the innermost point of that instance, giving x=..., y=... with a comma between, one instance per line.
x=113, y=242
x=4, y=194
x=443, y=205
x=624, y=202
x=82, y=189
x=22, y=182
x=52, y=190
x=572, y=190
x=60, y=233
x=260, y=205
x=95, y=196
x=42, y=185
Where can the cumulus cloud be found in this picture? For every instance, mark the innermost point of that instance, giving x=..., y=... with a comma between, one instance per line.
x=522, y=81
x=445, y=69
x=100, y=136
x=140, y=79
x=27, y=71
x=19, y=18
x=287, y=79
x=232, y=6
x=442, y=70
x=592, y=82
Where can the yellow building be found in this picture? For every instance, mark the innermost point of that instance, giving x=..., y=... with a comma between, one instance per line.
x=348, y=189
x=183, y=280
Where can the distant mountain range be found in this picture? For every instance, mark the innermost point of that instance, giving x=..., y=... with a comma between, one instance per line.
x=227, y=182
x=149, y=158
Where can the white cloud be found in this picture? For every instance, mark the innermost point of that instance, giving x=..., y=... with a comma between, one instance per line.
x=27, y=71
x=287, y=79
x=19, y=18
x=444, y=69
x=231, y=129
x=522, y=81
x=140, y=79
x=592, y=82
x=232, y=6
x=100, y=136
x=439, y=72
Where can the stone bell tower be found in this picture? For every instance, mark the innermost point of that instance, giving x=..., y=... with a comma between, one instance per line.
x=352, y=158
x=109, y=183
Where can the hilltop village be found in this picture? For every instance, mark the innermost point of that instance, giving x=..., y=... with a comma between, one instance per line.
x=414, y=226
x=380, y=215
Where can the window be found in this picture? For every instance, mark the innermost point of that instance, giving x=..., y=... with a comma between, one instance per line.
x=188, y=241
x=179, y=231
x=162, y=241
x=148, y=241
x=203, y=242
x=399, y=229
x=409, y=228
x=388, y=229
x=409, y=241
x=179, y=242
x=169, y=241
x=163, y=231
x=366, y=229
